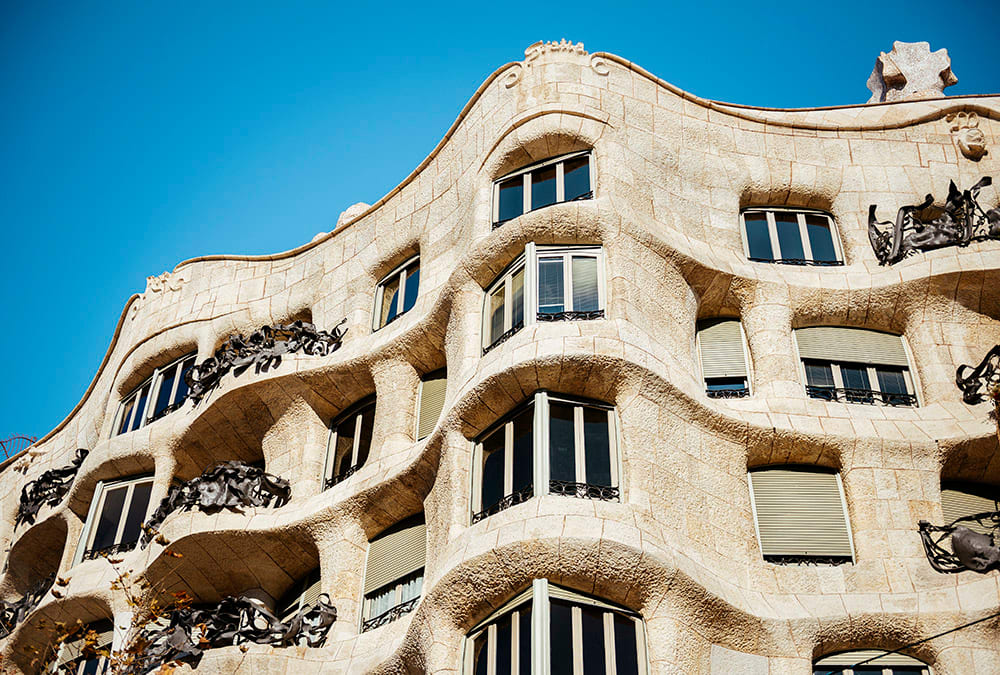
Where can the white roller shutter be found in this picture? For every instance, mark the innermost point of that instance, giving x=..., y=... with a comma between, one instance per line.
x=395, y=553
x=799, y=513
x=850, y=658
x=956, y=503
x=432, y=391
x=721, y=345
x=837, y=343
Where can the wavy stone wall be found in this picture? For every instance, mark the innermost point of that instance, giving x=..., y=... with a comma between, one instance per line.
x=672, y=172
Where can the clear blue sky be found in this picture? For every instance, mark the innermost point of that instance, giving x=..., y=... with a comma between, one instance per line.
x=137, y=135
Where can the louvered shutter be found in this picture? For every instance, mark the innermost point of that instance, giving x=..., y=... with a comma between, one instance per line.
x=395, y=553
x=310, y=596
x=957, y=503
x=73, y=649
x=837, y=343
x=432, y=391
x=721, y=346
x=800, y=513
x=850, y=658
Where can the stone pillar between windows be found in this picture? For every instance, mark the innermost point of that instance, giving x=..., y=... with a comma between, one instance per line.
x=396, y=387
x=294, y=448
x=767, y=321
x=343, y=555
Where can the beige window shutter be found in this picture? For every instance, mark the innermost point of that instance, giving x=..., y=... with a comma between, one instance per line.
x=838, y=343
x=310, y=596
x=956, y=503
x=800, y=513
x=850, y=658
x=432, y=391
x=73, y=649
x=396, y=553
x=721, y=344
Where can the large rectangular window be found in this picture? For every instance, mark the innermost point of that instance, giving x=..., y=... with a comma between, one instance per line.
x=114, y=523
x=394, y=575
x=160, y=395
x=396, y=293
x=350, y=442
x=790, y=236
x=560, y=179
x=722, y=351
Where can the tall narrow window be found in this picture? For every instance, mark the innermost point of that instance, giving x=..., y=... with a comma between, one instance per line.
x=801, y=516
x=574, y=454
x=395, y=573
x=869, y=662
x=433, y=388
x=723, y=358
x=854, y=365
x=790, y=236
x=164, y=392
x=959, y=500
x=117, y=513
x=350, y=442
x=397, y=293
x=304, y=593
x=561, y=179
x=80, y=657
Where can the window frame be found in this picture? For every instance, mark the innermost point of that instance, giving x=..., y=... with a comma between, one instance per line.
x=400, y=271
x=747, y=363
x=772, y=233
x=400, y=607
x=878, y=397
x=78, y=664
x=357, y=409
x=526, y=172
x=856, y=655
x=155, y=382
x=541, y=483
x=438, y=374
x=102, y=489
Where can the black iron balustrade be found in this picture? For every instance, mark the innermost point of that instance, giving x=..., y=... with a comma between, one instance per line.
x=341, y=477
x=503, y=337
x=108, y=551
x=13, y=613
x=585, y=195
x=976, y=383
x=808, y=559
x=516, y=497
x=571, y=316
x=49, y=488
x=967, y=550
x=728, y=393
x=389, y=615
x=800, y=261
x=866, y=396
x=567, y=488
x=166, y=411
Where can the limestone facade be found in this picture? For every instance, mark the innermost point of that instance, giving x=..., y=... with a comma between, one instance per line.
x=671, y=174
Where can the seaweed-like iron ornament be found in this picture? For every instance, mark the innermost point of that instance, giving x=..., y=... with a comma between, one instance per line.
x=49, y=488
x=962, y=221
x=976, y=382
x=229, y=485
x=969, y=550
x=236, y=620
x=13, y=613
x=261, y=350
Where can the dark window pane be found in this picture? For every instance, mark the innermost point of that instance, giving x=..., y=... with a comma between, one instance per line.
x=576, y=173
x=140, y=407
x=390, y=298
x=412, y=286
x=597, y=447
x=593, y=641
x=758, y=238
x=136, y=512
x=517, y=298
x=365, y=440
x=344, y=450
x=166, y=389
x=584, y=271
x=725, y=384
x=503, y=664
x=493, y=469
x=561, y=638
x=869, y=671
x=524, y=642
x=550, y=286
x=626, y=650
x=891, y=380
x=111, y=514
x=511, y=198
x=789, y=236
x=543, y=187
x=182, y=387
x=480, y=653
x=523, y=449
x=496, y=314
x=907, y=671
x=856, y=379
x=819, y=374
x=126, y=411
x=562, y=453
x=90, y=666
x=820, y=238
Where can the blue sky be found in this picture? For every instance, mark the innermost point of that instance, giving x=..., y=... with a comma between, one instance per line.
x=137, y=135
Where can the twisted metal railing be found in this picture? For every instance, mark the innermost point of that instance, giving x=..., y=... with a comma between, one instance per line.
x=568, y=488
x=966, y=549
x=390, y=615
x=522, y=495
x=866, y=396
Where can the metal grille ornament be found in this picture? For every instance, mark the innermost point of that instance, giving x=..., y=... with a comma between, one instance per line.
x=229, y=485
x=263, y=349
x=975, y=382
x=49, y=488
x=962, y=222
x=13, y=613
x=968, y=550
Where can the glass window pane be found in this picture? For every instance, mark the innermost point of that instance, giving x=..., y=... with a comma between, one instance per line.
x=166, y=389
x=543, y=187
x=517, y=298
x=344, y=449
x=869, y=671
x=789, y=237
x=562, y=453
x=561, y=637
x=820, y=238
x=496, y=314
x=411, y=586
x=504, y=661
x=480, y=653
x=855, y=377
x=136, y=512
x=576, y=174
x=389, y=301
x=626, y=649
x=365, y=440
x=524, y=641
x=819, y=374
x=593, y=640
x=891, y=380
x=138, y=420
x=182, y=387
x=126, y=411
x=511, y=198
x=725, y=384
x=523, y=449
x=382, y=601
x=412, y=286
x=550, y=286
x=758, y=238
x=90, y=666
x=107, y=523
x=597, y=446
x=584, y=273
x=493, y=469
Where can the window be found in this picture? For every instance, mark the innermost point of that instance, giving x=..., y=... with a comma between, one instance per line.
x=576, y=634
x=968, y=499
x=873, y=662
x=160, y=395
x=792, y=237
x=549, y=445
x=853, y=365
x=304, y=593
x=561, y=179
x=801, y=516
x=72, y=659
x=547, y=283
x=394, y=575
x=397, y=293
x=114, y=522
x=722, y=351
x=350, y=442
x=433, y=387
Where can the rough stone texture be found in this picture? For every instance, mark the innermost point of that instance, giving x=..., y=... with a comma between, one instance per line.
x=909, y=72
x=673, y=171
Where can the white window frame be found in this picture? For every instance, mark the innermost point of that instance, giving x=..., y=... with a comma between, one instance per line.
x=97, y=507
x=772, y=231
x=356, y=410
x=526, y=172
x=399, y=270
x=838, y=381
x=539, y=404
x=887, y=669
x=154, y=381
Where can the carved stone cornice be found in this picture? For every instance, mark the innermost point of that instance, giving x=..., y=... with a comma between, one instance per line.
x=49, y=488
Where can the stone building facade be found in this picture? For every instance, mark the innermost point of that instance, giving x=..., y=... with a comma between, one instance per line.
x=624, y=294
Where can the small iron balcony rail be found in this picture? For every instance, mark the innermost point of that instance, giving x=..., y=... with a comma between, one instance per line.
x=510, y=500
x=865, y=396
x=808, y=559
x=341, y=477
x=571, y=316
x=15, y=445
x=800, y=261
x=728, y=393
x=567, y=488
x=585, y=195
x=503, y=338
x=390, y=615
x=108, y=551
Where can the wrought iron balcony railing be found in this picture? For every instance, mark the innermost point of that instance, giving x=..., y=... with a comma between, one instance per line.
x=865, y=396
x=571, y=316
x=389, y=615
x=567, y=488
x=108, y=551
x=728, y=393
x=808, y=559
x=800, y=261
x=503, y=338
x=510, y=500
x=341, y=477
